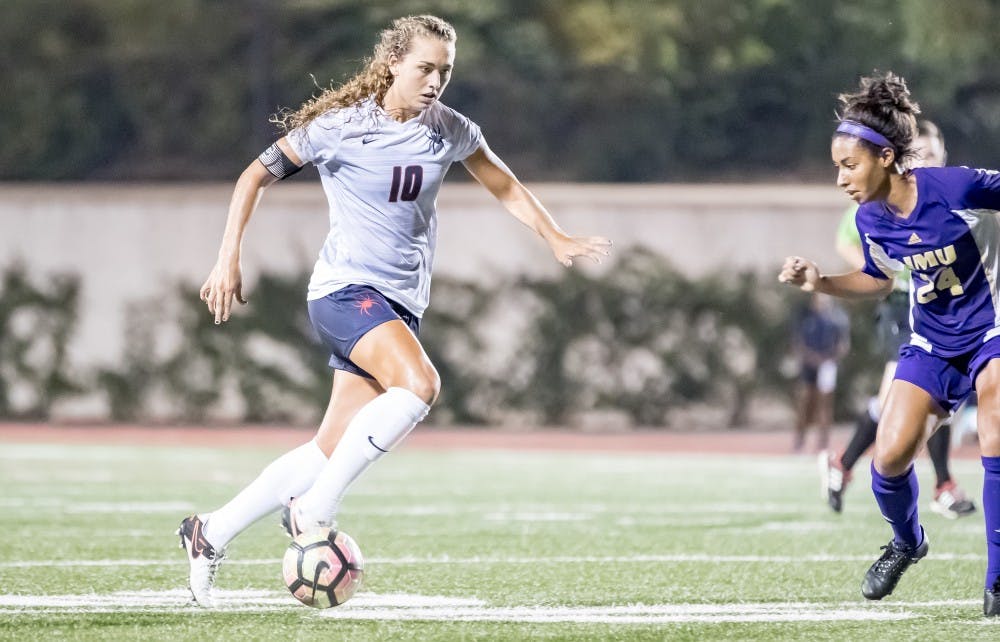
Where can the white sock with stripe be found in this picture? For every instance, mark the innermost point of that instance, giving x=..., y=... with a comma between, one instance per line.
x=379, y=426
x=287, y=476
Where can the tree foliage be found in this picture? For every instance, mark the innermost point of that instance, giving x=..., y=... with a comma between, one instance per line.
x=599, y=90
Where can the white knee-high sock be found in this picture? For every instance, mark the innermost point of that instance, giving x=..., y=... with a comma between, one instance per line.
x=287, y=476
x=379, y=426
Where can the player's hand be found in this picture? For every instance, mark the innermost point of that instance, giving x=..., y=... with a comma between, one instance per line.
x=224, y=284
x=801, y=272
x=567, y=248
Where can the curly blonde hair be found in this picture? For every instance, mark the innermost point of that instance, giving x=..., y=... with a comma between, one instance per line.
x=374, y=79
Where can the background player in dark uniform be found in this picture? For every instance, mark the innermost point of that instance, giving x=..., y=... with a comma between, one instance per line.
x=822, y=336
x=943, y=223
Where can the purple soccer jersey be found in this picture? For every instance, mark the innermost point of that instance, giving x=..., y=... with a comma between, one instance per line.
x=951, y=244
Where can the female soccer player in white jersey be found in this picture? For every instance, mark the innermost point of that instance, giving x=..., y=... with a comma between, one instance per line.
x=382, y=143
x=943, y=223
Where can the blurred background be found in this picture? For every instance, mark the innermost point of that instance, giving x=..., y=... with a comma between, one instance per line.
x=692, y=132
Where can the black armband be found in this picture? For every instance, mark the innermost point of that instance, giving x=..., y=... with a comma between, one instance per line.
x=279, y=165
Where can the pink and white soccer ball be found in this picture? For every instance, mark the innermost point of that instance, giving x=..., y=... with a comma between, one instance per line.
x=323, y=567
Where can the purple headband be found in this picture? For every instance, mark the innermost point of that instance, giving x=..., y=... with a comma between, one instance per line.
x=855, y=128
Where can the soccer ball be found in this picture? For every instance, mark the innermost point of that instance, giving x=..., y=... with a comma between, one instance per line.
x=323, y=567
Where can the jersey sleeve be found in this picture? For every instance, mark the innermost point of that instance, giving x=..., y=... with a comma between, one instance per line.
x=984, y=188
x=318, y=141
x=878, y=263
x=465, y=135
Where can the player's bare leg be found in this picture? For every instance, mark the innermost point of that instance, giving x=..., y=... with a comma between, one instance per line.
x=394, y=356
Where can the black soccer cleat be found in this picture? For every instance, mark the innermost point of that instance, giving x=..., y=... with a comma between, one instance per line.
x=991, y=600
x=884, y=574
x=835, y=499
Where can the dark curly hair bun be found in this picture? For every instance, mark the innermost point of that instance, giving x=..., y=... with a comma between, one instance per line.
x=883, y=103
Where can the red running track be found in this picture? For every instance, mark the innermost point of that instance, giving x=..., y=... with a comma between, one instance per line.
x=431, y=438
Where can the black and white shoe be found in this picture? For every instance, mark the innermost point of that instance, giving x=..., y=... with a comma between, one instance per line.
x=884, y=574
x=951, y=502
x=291, y=521
x=288, y=521
x=203, y=559
x=833, y=479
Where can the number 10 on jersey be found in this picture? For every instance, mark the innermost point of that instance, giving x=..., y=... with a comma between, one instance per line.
x=406, y=183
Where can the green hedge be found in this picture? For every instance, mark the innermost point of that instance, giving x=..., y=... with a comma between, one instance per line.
x=36, y=323
x=639, y=340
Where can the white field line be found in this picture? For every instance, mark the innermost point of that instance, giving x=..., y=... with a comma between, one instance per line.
x=783, y=527
x=655, y=614
x=488, y=511
x=66, y=505
x=129, y=507
x=556, y=559
x=403, y=607
x=524, y=516
x=226, y=600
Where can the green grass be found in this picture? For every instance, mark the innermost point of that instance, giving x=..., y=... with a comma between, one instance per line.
x=501, y=538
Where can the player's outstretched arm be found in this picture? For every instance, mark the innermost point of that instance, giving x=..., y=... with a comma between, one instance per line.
x=225, y=282
x=495, y=176
x=853, y=285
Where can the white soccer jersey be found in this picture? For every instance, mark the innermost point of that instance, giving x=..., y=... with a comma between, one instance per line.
x=381, y=178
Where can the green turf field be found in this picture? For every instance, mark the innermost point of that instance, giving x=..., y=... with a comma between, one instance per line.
x=481, y=545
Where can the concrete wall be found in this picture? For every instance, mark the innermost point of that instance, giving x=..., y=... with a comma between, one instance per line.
x=131, y=242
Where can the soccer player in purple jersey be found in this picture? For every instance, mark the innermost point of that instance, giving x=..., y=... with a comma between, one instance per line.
x=382, y=143
x=892, y=330
x=944, y=225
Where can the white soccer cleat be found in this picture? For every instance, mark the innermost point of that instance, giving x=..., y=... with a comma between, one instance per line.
x=833, y=479
x=204, y=560
x=949, y=501
x=293, y=524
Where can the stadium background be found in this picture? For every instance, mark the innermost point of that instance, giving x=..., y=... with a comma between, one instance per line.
x=125, y=123
x=639, y=485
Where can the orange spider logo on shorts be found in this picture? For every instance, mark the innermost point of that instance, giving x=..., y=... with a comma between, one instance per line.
x=366, y=304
